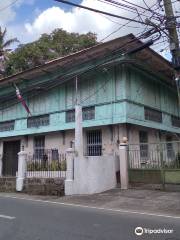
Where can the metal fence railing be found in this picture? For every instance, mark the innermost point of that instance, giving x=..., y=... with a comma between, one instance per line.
x=154, y=156
x=47, y=164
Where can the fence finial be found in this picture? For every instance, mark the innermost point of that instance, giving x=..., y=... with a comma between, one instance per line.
x=125, y=140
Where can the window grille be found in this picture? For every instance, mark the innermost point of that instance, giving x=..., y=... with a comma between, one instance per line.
x=143, y=139
x=55, y=154
x=39, y=148
x=88, y=113
x=94, y=143
x=175, y=121
x=38, y=121
x=7, y=126
x=169, y=148
x=70, y=116
x=152, y=115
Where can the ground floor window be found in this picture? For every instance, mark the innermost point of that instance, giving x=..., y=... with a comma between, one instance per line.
x=94, y=143
x=169, y=147
x=39, y=147
x=143, y=139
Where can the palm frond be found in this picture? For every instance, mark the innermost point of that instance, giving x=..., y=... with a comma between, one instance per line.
x=4, y=33
x=9, y=42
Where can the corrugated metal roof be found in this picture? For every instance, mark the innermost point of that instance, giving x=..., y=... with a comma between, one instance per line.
x=123, y=44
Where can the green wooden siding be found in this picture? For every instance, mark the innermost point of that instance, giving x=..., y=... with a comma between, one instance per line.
x=119, y=95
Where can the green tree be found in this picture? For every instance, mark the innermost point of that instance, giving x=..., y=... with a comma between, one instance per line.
x=49, y=46
x=4, y=44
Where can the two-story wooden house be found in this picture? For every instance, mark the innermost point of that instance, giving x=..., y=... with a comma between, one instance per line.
x=123, y=95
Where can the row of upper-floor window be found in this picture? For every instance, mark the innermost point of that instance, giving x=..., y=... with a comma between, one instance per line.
x=88, y=113
x=157, y=116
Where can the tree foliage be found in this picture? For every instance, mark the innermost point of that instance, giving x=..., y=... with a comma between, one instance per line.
x=49, y=46
x=4, y=44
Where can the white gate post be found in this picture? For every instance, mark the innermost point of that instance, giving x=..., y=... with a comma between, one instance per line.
x=78, y=132
x=123, y=165
x=69, y=171
x=22, y=157
x=1, y=165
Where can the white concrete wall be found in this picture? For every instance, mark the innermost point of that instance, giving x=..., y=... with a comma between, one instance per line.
x=93, y=175
x=1, y=155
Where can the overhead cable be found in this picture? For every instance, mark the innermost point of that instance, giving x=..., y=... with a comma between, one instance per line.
x=100, y=11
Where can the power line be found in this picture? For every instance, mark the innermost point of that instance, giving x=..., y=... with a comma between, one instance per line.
x=69, y=76
x=124, y=25
x=134, y=9
x=100, y=11
x=122, y=6
x=11, y=4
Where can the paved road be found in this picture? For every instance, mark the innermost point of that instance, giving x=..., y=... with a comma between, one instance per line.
x=37, y=220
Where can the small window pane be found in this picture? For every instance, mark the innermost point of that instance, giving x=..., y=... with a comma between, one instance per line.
x=70, y=116
x=152, y=115
x=7, y=126
x=38, y=121
x=88, y=113
x=175, y=121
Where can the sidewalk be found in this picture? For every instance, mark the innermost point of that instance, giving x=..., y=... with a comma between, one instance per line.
x=149, y=201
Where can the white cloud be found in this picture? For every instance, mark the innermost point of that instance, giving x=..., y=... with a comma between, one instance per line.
x=72, y=20
x=8, y=10
x=79, y=20
x=7, y=13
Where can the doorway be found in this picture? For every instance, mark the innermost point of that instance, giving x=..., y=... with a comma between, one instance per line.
x=10, y=157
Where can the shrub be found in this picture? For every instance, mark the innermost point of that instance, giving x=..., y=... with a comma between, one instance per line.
x=55, y=165
x=178, y=159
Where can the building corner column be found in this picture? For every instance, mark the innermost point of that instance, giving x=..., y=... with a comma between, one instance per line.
x=78, y=132
x=123, y=156
x=69, y=171
x=22, y=158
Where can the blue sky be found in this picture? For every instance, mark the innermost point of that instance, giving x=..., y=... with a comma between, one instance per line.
x=28, y=19
x=27, y=11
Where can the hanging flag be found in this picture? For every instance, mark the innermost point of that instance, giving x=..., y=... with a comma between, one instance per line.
x=21, y=99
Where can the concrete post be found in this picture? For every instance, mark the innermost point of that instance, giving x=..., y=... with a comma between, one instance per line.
x=22, y=156
x=78, y=132
x=123, y=165
x=69, y=163
x=1, y=165
x=69, y=171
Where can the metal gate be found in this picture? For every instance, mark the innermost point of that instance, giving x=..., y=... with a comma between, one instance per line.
x=154, y=163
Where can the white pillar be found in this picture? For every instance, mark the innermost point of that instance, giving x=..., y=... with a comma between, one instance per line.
x=78, y=132
x=69, y=182
x=123, y=165
x=1, y=165
x=22, y=156
x=69, y=163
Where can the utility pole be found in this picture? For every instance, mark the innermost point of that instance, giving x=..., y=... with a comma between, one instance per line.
x=78, y=124
x=173, y=40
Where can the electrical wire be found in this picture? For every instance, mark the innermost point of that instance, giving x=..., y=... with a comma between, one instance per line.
x=123, y=6
x=10, y=5
x=135, y=10
x=100, y=11
x=81, y=73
